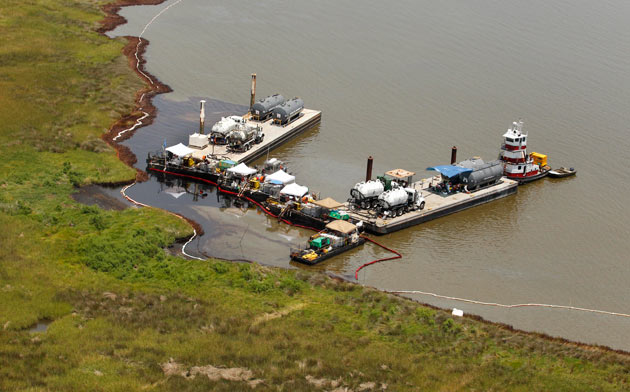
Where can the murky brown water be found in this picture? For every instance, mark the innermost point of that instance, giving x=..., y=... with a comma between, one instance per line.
x=404, y=82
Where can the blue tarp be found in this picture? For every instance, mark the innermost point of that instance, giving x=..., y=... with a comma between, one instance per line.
x=449, y=171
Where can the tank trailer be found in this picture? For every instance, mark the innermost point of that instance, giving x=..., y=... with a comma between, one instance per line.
x=398, y=201
x=365, y=193
x=221, y=130
x=244, y=137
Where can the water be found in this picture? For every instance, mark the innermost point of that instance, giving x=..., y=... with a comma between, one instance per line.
x=404, y=82
x=41, y=326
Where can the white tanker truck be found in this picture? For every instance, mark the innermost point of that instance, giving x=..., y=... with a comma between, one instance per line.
x=244, y=137
x=398, y=201
x=366, y=193
x=222, y=128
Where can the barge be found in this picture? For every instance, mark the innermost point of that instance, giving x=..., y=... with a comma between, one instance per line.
x=337, y=237
x=274, y=136
x=270, y=122
x=437, y=205
x=458, y=187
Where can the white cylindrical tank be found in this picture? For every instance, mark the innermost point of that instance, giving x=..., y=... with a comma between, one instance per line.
x=393, y=198
x=368, y=189
x=226, y=124
x=242, y=135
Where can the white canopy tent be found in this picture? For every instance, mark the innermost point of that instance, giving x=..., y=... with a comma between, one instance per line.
x=281, y=176
x=242, y=170
x=180, y=150
x=294, y=190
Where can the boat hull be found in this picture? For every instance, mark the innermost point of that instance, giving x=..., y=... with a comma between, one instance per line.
x=326, y=256
x=298, y=218
x=526, y=180
x=561, y=173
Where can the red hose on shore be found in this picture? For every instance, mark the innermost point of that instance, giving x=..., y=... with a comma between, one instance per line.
x=397, y=256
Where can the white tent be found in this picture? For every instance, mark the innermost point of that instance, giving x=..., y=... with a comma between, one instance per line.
x=242, y=170
x=281, y=176
x=294, y=190
x=180, y=150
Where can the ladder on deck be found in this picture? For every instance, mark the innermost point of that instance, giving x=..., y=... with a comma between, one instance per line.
x=243, y=189
x=284, y=211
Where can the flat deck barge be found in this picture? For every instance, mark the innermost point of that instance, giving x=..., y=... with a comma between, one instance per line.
x=437, y=205
x=275, y=135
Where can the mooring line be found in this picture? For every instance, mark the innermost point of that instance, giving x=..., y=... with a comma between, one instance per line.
x=472, y=301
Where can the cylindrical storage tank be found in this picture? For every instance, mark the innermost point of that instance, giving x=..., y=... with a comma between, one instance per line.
x=288, y=111
x=472, y=163
x=225, y=125
x=241, y=135
x=393, y=198
x=261, y=109
x=487, y=174
x=368, y=189
x=237, y=136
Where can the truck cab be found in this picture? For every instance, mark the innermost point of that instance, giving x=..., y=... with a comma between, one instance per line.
x=415, y=199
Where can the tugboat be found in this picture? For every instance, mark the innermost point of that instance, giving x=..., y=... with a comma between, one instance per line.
x=517, y=164
x=337, y=237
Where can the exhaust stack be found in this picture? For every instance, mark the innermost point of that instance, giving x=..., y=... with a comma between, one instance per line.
x=453, y=155
x=368, y=173
x=202, y=116
x=253, y=92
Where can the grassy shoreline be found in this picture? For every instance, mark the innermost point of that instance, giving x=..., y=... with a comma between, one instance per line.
x=126, y=315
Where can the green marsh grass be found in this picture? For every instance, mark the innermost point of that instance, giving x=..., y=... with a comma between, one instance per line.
x=121, y=305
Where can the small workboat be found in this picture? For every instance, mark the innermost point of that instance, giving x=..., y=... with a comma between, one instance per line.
x=337, y=237
x=562, y=172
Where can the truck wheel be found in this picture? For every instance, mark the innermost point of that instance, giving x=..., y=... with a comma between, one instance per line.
x=363, y=206
x=422, y=206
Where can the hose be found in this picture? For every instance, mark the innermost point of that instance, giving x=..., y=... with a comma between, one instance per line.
x=263, y=208
x=397, y=256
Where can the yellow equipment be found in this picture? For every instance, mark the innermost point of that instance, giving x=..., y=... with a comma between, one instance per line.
x=539, y=159
x=310, y=256
x=254, y=183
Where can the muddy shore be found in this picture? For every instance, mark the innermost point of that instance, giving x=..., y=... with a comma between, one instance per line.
x=143, y=104
x=144, y=96
x=134, y=51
